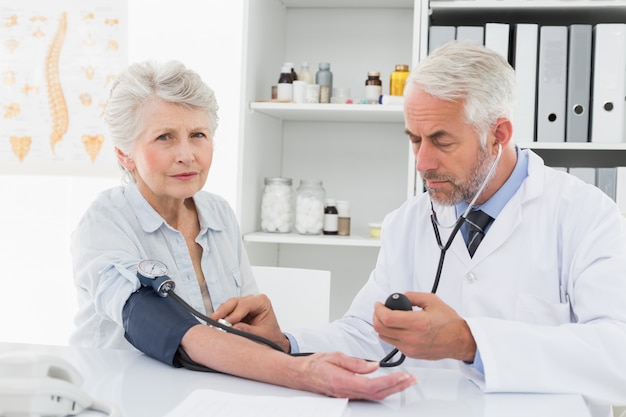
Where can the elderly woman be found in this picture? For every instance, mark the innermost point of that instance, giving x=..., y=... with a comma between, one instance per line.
x=162, y=119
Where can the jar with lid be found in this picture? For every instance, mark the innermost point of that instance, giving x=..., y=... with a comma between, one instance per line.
x=373, y=87
x=324, y=78
x=277, y=205
x=397, y=79
x=310, y=197
x=343, y=218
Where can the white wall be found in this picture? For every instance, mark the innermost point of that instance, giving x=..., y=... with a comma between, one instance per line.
x=38, y=213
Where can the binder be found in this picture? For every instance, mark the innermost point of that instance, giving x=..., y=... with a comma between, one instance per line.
x=471, y=33
x=609, y=85
x=497, y=38
x=613, y=182
x=438, y=35
x=606, y=180
x=551, y=84
x=525, y=64
x=620, y=189
x=578, y=84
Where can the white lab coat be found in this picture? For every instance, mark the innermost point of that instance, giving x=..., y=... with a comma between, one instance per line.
x=544, y=294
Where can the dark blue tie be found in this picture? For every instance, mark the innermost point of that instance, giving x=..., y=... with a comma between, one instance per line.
x=477, y=222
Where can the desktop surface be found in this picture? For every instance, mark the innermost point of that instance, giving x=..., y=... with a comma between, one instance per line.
x=141, y=386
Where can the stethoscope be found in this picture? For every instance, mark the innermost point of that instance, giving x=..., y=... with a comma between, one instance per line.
x=459, y=222
x=385, y=362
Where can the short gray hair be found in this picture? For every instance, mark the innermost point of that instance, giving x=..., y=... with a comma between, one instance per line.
x=465, y=70
x=142, y=82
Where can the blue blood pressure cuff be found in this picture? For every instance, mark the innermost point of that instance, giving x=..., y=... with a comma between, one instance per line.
x=156, y=325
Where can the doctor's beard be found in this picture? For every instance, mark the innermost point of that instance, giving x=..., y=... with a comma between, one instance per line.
x=461, y=190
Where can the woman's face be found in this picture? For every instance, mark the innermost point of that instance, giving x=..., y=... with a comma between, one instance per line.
x=172, y=155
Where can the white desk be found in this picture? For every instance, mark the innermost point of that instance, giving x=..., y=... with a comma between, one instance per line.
x=141, y=386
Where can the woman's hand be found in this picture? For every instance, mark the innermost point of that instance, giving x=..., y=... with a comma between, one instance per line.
x=338, y=375
x=332, y=374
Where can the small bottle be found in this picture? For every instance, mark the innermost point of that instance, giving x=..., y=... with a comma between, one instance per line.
x=310, y=197
x=331, y=217
x=305, y=73
x=343, y=218
x=277, y=212
x=397, y=79
x=373, y=87
x=285, y=84
x=324, y=78
x=294, y=75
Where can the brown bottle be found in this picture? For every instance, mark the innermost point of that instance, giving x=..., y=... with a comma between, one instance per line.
x=373, y=87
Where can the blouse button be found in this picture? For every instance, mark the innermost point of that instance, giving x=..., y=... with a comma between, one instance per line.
x=471, y=277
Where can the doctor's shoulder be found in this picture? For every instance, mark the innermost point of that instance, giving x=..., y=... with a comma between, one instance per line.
x=576, y=196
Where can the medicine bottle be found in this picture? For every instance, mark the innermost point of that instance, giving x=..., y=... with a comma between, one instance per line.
x=310, y=197
x=305, y=73
x=373, y=87
x=331, y=217
x=277, y=205
x=343, y=218
x=285, y=84
x=397, y=79
x=294, y=75
x=324, y=78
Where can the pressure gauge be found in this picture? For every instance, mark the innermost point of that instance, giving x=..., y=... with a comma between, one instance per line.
x=153, y=274
x=150, y=268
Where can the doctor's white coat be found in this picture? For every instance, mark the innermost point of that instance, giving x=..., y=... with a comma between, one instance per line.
x=544, y=294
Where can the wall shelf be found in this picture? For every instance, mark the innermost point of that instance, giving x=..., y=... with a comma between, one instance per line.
x=533, y=5
x=295, y=238
x=579, y=154
x=369, y=113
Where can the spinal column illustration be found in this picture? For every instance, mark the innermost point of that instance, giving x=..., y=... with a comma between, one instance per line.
x=56, y=99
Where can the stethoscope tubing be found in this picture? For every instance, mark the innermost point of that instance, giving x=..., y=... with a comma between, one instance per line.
x=444, y=248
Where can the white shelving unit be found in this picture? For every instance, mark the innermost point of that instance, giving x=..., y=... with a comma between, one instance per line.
x=360, y=151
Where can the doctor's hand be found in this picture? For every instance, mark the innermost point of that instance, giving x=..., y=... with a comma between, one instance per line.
x=253, y=314
x=434, y=332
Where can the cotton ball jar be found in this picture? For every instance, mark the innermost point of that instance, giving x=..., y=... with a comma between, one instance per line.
x=310, y=198
x=277, y=212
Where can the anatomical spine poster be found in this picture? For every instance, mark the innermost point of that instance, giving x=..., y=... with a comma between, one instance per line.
x=58, y=60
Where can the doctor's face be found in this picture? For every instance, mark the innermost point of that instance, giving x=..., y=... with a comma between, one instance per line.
x=448, y=153
x=172, y=155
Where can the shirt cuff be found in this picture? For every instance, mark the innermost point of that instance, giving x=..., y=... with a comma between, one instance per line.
x=478, y=363
x=293, y=344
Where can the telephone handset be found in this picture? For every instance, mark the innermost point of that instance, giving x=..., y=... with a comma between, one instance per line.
x=38, y=384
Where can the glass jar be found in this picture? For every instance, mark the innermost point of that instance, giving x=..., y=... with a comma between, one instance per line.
x=277, y=211
x=310, y=197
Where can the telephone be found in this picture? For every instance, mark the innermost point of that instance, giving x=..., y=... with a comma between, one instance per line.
x=37, y=384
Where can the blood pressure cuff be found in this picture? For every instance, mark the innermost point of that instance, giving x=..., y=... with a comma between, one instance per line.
x=156, y=325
